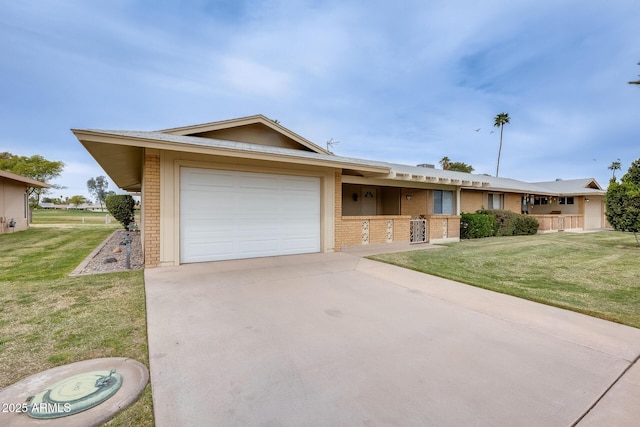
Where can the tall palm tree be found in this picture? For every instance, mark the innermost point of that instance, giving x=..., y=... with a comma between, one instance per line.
x=615, y=166
x=637, y=82
x=445, y=162
x=499, y=121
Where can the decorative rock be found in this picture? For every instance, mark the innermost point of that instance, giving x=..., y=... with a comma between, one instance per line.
x=108, y=260
x=117, y=249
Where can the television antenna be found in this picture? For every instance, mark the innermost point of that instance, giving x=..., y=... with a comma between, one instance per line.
x=331, y=143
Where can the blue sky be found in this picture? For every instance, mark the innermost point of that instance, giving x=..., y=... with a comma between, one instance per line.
x=406, y=81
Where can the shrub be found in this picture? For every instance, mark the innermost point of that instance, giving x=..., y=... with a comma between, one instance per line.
x=477, y=225
x=121, y=207
x=526, y=225
x=511, y=223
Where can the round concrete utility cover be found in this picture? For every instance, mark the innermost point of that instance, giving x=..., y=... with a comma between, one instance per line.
x=93, y=391
x=74, y=394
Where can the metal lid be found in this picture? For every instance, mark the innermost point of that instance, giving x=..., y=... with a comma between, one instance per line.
x=75, y=394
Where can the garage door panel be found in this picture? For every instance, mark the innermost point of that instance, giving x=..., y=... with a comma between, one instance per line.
x=232, y=214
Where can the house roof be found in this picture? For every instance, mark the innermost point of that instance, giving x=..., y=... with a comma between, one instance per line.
x=23, y=179
x=120, y=152
x=577, y=187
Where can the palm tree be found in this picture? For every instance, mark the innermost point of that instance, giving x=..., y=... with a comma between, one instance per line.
x=637, y=82
x=615, y=166
x=499, y=121
x=445, y=162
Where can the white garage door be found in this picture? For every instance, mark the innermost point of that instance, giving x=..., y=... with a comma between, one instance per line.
x=231, y=214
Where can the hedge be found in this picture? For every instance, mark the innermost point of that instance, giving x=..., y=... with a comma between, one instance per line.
x=477, y=225
x=511, y=223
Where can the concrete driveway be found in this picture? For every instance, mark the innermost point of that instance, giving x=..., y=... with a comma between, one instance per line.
x=337, y=340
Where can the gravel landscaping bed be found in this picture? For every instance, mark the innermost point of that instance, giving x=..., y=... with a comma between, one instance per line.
x=111, y=255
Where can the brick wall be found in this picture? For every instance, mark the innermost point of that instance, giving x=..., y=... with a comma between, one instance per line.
x=337, y=215
x=358, y=230
x=151, y=210
x=417, y=205
x=443, y=227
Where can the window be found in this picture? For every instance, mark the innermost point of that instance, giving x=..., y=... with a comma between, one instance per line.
x=541, y=201
x=495, y=201
x=565, y=200
x=443, y=202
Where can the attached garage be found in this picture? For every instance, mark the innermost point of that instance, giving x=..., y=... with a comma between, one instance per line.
x=230, y=214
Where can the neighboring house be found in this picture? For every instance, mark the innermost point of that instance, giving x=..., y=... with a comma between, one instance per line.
x=249, y=187
x=14, y=201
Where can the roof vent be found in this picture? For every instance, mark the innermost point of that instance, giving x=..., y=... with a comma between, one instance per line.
x=426, y=165
x=558, y=179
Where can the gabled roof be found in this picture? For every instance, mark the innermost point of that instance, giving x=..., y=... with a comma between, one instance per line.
x=196, y=130
x=584, y=186
x=23, y=180
x=119, y=152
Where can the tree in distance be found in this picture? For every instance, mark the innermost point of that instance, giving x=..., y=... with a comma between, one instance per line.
x=98, y=188
x=615, y=166
x=447, y=164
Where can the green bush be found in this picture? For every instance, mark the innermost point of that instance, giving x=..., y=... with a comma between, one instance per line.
x=526, y=225
x=511, y=223
x=477, y=225
x=121, y=207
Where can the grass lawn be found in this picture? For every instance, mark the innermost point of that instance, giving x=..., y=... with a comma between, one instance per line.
x=595, y=273
x=48, y=319
x=71, y=217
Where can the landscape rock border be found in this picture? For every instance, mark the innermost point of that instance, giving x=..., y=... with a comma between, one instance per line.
x=101, y=259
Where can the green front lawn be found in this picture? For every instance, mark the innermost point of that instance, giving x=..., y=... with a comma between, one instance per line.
x=72, y=217
x=595, y=273
x=48, y=319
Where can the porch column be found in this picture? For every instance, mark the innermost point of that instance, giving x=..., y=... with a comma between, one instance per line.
x=458, y=191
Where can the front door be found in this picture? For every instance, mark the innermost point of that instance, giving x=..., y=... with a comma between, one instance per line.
x=369, y=201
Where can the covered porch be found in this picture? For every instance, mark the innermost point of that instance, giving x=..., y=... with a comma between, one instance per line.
x=377, y=214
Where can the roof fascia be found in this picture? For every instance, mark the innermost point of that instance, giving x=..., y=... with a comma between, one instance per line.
x=90, y=136
x=23, y=180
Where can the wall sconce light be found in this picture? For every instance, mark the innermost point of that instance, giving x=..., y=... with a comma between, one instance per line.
x=408, y=196
x=586, y=200
x=355, y=197
x=368, y=194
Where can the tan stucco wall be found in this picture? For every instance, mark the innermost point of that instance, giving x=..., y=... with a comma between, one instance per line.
x=418, y=205
x=170, y=164
x=471, y=201
x=12, y=206
x=513, y=202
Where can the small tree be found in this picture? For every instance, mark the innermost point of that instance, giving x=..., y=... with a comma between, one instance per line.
x=98, y=188
x=623, y=201
x=121, y=207
x=77, y=200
